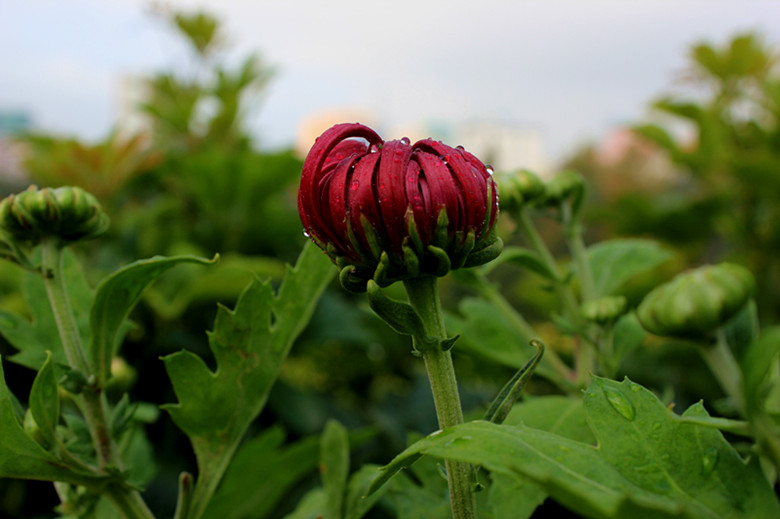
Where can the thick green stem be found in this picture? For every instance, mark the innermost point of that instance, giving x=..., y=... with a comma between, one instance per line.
x=424, y=297
x=91, y=401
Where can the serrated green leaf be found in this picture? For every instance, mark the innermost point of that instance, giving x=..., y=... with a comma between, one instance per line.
x=45, y=401
x=21, y=457
x=614, y=262
x=647, y=463
x=260, y=474
x=114, y=298
x=33, y=338
x=562, y=415
x=249, y=345
x=334, y=468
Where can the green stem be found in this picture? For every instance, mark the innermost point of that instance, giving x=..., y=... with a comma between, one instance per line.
x=487, y=290
x=573, y=234
x=129, y=502
x=424, y=297
x=564, y=293
x=724, y=366
x=91, y=401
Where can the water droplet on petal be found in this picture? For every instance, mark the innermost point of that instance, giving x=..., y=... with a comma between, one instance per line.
x=306, y=234
x=620, y=403
x=489, y=169
x=354, y=185
x=459, y=147
x=405, y=140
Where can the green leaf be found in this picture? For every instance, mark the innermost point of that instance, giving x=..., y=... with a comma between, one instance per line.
x=114, y=299
x=45, y=401
x=33, y=338
x=647, y=463
x=21, y=457
x=628, y=335
x=310, y=507
x=755, y=365
x=260, y=474
x=357, y=504
x=334, y=468
x=514, y=497
x=527, y=258
x=249, y=345
x=562, y=415
x=506, y=398
x=614, y=262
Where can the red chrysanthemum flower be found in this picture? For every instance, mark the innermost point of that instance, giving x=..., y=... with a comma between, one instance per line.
x=393, y=210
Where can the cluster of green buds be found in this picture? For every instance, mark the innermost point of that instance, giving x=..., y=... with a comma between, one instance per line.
x=696, y=302
x=523, y=188
x=67, y=214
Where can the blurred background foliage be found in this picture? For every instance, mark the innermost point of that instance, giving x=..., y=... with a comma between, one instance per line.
x=703, y=178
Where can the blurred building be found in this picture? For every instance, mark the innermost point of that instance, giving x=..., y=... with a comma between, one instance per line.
x=12, y=123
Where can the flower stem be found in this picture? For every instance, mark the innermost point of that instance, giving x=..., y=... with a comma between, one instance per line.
x=91, y=400
x=724, y=366
x=424, y=297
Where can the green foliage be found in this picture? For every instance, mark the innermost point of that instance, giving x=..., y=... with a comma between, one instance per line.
x=615, y=262
x=648, y=463
x=114, y=299
x=249, y=344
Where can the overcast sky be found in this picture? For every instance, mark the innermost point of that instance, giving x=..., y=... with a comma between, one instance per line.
x=571, y=69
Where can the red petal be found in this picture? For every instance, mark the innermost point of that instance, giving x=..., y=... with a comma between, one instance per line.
x=390, y=180
x=314, y=165
x=442, y=191
x=361, y=201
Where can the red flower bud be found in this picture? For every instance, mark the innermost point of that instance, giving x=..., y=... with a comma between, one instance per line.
x=393, y=210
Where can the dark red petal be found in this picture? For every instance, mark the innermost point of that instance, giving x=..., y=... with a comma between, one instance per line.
x=343, y=150
x=442, y=190
x=390, y=180
x=361, y=200
x=419, y=198
x=314, y=164
x=473, y=188
x=333, y=202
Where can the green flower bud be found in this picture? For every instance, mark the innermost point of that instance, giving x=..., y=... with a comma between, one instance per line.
x=67, y=213
x=564, y=185
x=604, y=309
x=696, y=302
x=519, y=188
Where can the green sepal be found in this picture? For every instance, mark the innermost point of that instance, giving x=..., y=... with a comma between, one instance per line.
x=448, y=343
x=372, y=239
x=45, y=401
x=351, y=281
x=463, y=249
x=381, y=274
x=442, y=263
x=441, y=235
x=487, y=253
x=411, y=261
x=399, y=316
x=502, y=404
x=413, y=234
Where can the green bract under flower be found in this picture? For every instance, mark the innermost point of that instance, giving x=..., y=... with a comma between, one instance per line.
x=66, y=213
x=696, y=302
x=391, y=210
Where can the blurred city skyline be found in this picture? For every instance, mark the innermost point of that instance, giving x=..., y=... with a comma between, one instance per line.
x=562, y=72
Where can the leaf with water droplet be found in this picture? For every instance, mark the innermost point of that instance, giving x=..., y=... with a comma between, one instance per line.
x=620, y=403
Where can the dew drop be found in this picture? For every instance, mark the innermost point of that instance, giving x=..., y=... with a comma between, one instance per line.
x=709, y=460
x=636, y=388
x=306, y=234
x=459, y=147
x=620, y=403
x=489, y=169
x=405, y=140
x=354, y=185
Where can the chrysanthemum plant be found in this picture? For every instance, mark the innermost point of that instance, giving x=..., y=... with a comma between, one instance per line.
x=386, y=212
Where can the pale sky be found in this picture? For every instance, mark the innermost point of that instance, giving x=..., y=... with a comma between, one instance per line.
x=569, y=69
